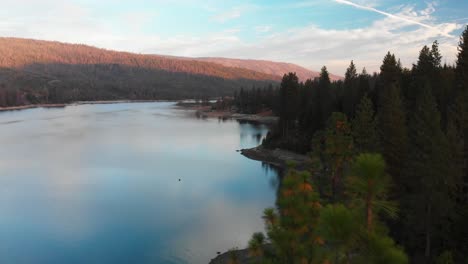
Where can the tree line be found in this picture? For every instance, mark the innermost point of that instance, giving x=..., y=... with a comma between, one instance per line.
x=387, y=180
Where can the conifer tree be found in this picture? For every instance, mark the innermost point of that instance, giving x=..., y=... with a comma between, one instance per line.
x=393, y=132
x=350, y=90
x=368, y=186
x=337, y=152
x=324, y=98
x=390, y=70
x=364, y=127
x=462, y=62
x=291, y=231
x=288, y=107
x=339, y=228
x=431, y=184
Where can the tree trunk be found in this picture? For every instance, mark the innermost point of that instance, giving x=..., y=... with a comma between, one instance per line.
x=369, y=214
x=369, y=206
x=427, y=252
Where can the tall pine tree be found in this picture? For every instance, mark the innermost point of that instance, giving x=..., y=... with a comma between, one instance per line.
x=288, y=106
x=462, y=62
x=392, y=119
x=350, y=90
x=430, y=183
x=364, y=128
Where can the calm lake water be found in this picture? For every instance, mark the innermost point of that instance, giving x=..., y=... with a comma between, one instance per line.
x=100, y=184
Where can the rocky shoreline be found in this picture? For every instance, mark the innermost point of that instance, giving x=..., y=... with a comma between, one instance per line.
x=241, y=255
x=276, y=157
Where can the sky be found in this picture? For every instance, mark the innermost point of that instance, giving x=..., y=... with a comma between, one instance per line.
x=310, y=33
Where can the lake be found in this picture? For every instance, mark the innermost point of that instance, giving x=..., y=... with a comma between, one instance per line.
x=100, y=184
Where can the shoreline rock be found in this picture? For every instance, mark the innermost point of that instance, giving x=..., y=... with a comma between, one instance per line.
x=276, y=157
x=242, y=256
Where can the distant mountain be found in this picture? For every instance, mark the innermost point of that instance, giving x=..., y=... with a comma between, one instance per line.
x=35, y=71
x=269, y=67
x=18, y=53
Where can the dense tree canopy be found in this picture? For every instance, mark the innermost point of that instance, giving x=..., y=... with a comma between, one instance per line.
x=412, y=197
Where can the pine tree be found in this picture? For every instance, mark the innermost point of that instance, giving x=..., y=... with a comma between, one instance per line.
x=350, y=90
x=462, y=62
x=324, y=98
x=430, y=183
x=368, y=186
x=461, y=104
x=393, y=132
x=390, y=70
x=339, y=228
x=291, y=231
x=289, y=90
x=364, y=127
x=337, y=151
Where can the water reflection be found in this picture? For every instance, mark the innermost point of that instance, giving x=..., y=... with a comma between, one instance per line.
x=99, y=184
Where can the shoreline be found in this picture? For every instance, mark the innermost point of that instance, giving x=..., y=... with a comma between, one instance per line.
x=32, y=106
x=276, y=157
x=242, y=256
x=205, y=111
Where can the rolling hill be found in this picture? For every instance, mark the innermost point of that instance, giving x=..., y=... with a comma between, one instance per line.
x=36, y=71
x=269, y=67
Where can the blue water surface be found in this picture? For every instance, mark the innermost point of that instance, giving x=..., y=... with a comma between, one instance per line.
x=100, y=184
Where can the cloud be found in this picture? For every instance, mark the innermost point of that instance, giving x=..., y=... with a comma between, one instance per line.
x=262, y=29
x=228, y=15
x=429, y=10
x=308, y=45
x=314, y=46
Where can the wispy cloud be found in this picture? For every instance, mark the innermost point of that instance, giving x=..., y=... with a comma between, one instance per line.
x=262, y=29
x=315, y=46
x=228, y=15
x=430, y=9
x=308, y=42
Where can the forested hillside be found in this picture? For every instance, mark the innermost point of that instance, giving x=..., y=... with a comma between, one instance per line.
x=33, y=71
x=388, y=174
x=270, y=67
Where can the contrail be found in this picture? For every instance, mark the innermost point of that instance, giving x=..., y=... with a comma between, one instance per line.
x=346, y=2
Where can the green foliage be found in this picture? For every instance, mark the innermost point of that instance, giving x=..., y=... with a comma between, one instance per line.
x=324, y=97
x=350, y=90
x=462, y=62
x=430, y=203
x=393, y=131
x=390, y=70
x=288, y=106
x=256, y=245
x=338, y=150
x=368, y=186
x=418, y=120
x=364, y=127
x=338, y=227
x=291, y=230
x=381, y=249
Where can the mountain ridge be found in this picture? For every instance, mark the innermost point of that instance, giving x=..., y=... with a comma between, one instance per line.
x=269, y=67
x=38, y=71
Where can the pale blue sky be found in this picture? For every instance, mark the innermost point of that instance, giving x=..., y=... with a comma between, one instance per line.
x=310, y=33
